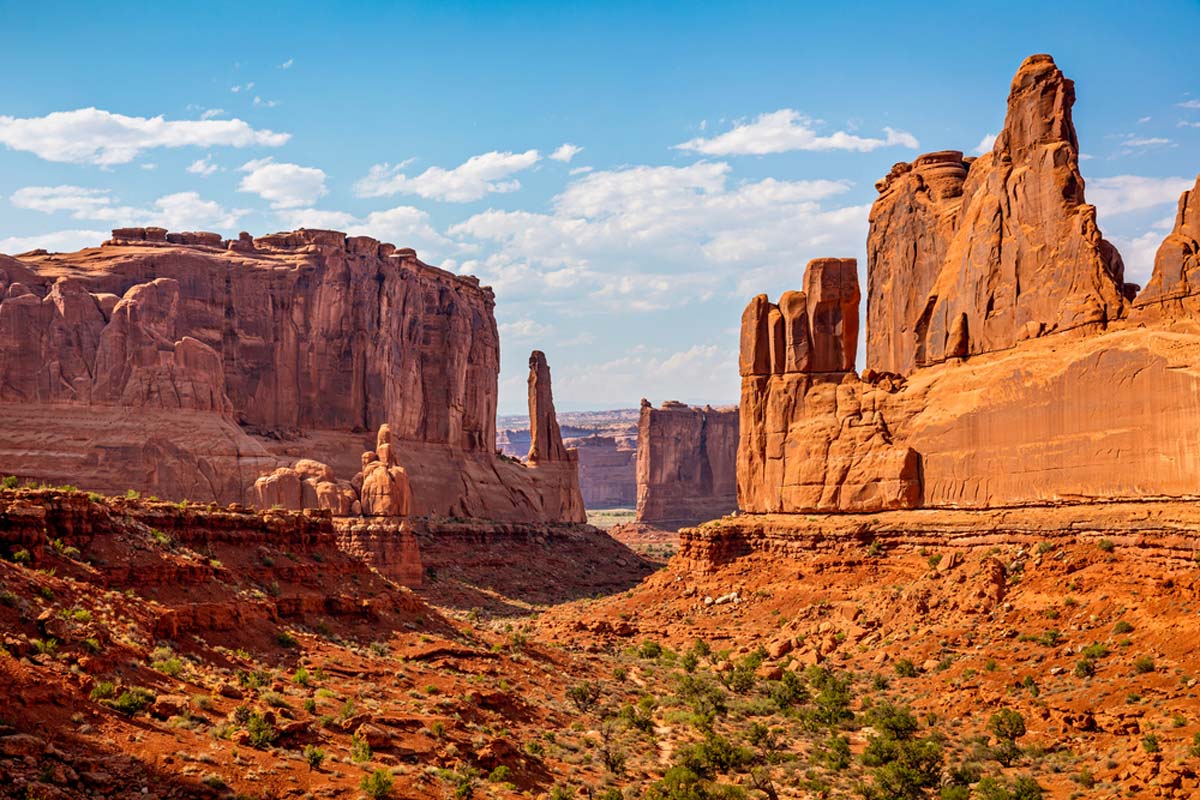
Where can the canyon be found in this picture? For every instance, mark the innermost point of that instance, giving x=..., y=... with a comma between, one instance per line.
x=966, y=571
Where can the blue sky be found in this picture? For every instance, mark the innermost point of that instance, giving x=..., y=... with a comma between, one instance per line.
x=713, y=148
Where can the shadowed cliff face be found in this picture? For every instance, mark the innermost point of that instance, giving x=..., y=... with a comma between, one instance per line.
x=246, y=355
x=969, y=256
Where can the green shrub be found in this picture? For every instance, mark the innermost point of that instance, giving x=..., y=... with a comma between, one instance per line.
x=584, y=695
x=262, y=733
x=1122, y=627
x=378, y=784
x=905, y=668
x=1143, y=665
x=10, y=481
x=1024, y=787
x=286, y=640
x=360, y=751
x=314, y=756
x=169, y=666
x=132, y=701
x=650, y=649
x=1106, y=545
x=1007, y=726
x=102, y=690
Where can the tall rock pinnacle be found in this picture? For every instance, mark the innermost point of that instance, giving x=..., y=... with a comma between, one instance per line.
x=546, y=442
x=968, y=256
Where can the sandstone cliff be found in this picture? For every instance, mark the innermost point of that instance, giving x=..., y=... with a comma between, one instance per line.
x=1176, y=276
x=969, y=256
x=607, y=471
x=686, y=463
x=967, y=402
x=187, y=366
x=809, y=439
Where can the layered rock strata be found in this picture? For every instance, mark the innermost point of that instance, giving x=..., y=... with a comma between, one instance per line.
x=969, y=256
x=607, y=471
x=968, y=403
x=185, y=365
x=810, y=438
x=686, y=463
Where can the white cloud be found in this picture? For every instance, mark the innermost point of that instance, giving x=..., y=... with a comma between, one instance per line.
x=403, y=226
x=786, y=130
x=258, y=101
x=985, y=144
x=579, y=170
x=473, y=179
x=699, y=233
x=283, y=185
x=524, y=329
x=703, y=373
x=1121, y=194
x=1145, y=141
x=202, y=166
x=1183, y=123
x=56, y=242
x=1138, y=254
x=178, y=211
x=287, y=64
x=1143, y=120
x=1189, y=104
x=243, y=88
x=566, y=152
x=212, y=113
x=93, y=136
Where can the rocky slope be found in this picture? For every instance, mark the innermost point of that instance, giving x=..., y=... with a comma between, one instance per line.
x=244, y=355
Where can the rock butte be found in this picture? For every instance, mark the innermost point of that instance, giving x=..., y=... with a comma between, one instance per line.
x=686, y=463
x=249, y=355
x=1009, y=365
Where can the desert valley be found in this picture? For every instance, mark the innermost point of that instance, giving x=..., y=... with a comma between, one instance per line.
x=263, y=534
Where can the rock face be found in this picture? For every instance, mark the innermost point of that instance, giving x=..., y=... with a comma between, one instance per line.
x=245, y=355
x=1176, y=276
x=545, y=438
x=809, y=440
x=968, y=403
x=686, y=464
x=381, y=489
x=546, y=450
x=607, y=471
x=969, y=256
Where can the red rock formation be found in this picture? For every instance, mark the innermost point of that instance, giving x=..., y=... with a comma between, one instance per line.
x=971, y=256
x=607, y=471
x=1176, y=274
x=547, y=455
x=808, y=441
x=686, y=463
x=1010, y=252
x=246, y=355
x=545, y=438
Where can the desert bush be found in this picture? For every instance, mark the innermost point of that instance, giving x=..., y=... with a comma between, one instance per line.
x=377, y=784
x=905, y=668
x=584, y=695
x=313, y=756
